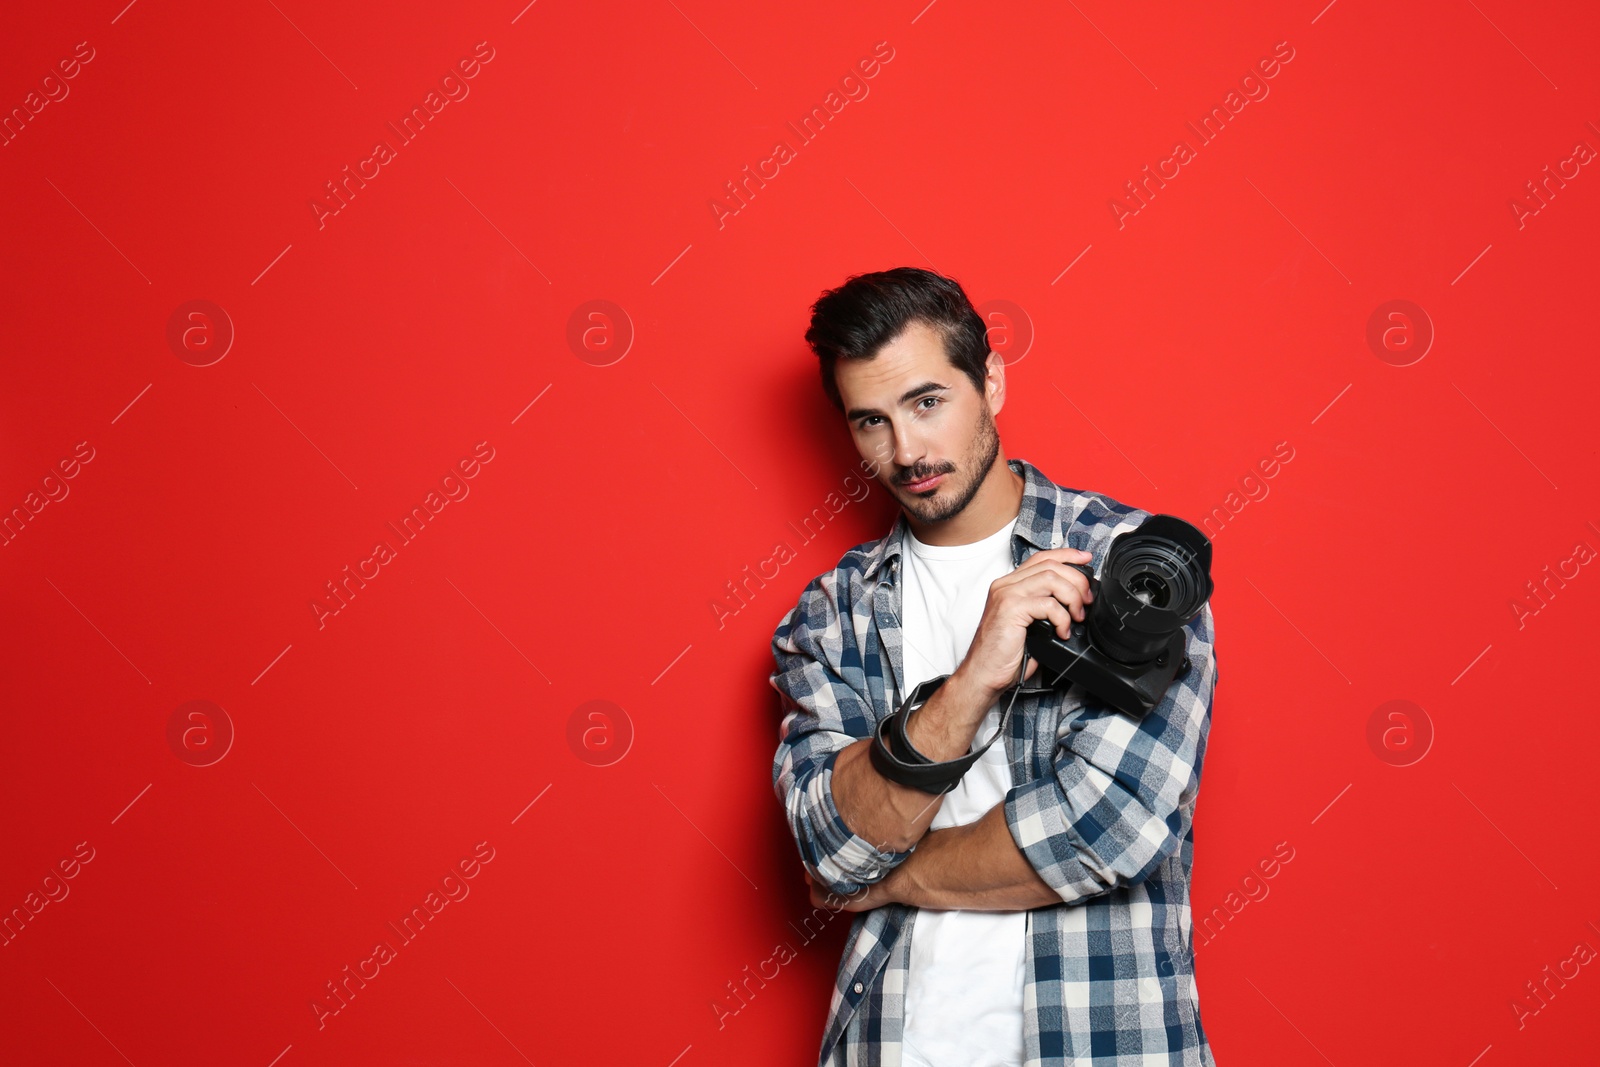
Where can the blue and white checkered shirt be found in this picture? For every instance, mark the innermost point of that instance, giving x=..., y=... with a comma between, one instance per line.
x=1103, y=810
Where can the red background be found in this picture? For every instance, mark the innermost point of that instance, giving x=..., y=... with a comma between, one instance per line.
x=431, y=312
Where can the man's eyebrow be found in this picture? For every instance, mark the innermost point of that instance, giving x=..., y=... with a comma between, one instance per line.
x=905, y=398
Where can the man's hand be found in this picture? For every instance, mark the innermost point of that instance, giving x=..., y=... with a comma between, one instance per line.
x=1042, y=587
x=873, y=896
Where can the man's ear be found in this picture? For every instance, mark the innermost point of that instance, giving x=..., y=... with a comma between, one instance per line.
x=995, y=382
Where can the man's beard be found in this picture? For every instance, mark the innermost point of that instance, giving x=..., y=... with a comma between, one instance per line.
x=947, y=504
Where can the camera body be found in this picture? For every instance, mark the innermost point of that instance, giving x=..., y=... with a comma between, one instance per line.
x=1131, y=644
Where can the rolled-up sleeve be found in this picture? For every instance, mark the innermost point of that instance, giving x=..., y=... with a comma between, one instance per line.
x=1119, y=795
x=815, y=656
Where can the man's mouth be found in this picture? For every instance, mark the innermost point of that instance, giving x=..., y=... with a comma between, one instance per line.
x=924, y=485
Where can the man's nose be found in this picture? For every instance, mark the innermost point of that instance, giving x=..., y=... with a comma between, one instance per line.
x=908, y=448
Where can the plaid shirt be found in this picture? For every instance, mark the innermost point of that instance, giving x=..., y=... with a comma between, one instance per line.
x=1103, y=810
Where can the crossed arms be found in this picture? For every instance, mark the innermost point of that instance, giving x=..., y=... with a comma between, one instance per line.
x=1110, y=810
x=976, y=866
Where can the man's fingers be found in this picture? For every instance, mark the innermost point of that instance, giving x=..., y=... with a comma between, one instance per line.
x=1068, y=586
x=1057, y=614
x=821, y=898
x=1060, y=555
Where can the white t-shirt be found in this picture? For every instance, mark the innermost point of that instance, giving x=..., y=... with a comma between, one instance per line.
x=964, y=990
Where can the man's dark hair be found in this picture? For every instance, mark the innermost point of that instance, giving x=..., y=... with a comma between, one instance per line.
x=868, y=311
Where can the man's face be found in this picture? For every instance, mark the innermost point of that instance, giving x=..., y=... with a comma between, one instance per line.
x=918, y=418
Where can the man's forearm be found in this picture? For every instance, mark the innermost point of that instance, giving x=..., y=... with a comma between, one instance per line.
x=976, y=866
x=895, y=816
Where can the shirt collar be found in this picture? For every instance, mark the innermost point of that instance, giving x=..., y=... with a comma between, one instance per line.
x=1042, y=520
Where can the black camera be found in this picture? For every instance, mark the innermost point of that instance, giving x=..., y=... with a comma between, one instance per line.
x=1131, y=644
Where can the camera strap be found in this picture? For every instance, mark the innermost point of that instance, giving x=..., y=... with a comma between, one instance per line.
x=897, y=759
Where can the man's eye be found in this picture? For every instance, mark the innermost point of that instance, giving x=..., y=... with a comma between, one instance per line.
x=932, y=399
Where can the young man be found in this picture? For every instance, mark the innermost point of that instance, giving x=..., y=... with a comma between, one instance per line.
x=1038, y=913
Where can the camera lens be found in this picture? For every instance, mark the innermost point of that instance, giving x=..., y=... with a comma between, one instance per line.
x=1155, y=580
x=1148, y=589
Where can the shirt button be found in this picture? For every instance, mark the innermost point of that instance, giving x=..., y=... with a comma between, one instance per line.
x=859, y=987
